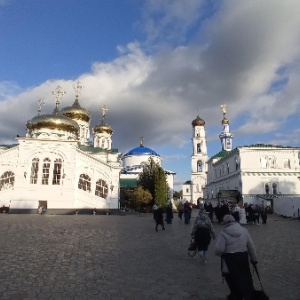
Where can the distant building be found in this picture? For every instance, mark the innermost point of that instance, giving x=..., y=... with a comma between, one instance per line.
x=133, y=163
x=258, y=174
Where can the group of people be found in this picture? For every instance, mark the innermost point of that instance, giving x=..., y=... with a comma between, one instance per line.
x=254, y=213
x=235, y=247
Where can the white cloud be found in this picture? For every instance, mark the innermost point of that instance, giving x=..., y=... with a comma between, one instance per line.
x=236, y=60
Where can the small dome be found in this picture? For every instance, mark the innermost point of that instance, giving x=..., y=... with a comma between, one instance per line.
x=141, y=150
x=54, y=121
x=225, y=121
x=102, y=128
x=198, y=122
x=76, y=112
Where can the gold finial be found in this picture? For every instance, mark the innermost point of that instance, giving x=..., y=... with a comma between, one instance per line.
x=103, y=109
x=40, y=103
x=142, y=141
x=58, y=94
x=77, y=88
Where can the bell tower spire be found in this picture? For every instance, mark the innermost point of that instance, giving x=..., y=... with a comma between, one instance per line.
x=225, y=136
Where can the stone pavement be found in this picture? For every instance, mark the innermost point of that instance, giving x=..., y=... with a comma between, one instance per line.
x=122, y=257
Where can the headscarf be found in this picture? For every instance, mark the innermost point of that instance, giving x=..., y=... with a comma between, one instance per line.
x=228, y=219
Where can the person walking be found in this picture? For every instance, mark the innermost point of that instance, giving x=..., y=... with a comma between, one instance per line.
x=202, y=232
x=235, y=245
x=169, y=213
x=180, y=210
x=159, y=218
x=187, y=211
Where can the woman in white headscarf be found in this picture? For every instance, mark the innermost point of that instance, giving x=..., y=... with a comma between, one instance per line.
x=202, y=233
x=235, y=245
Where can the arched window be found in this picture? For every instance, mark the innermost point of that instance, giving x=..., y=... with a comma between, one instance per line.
x=101, y=189
x=57, y=172
x=272, y=162
x=7, y=180
x=286, y=163
x=274, y=186
x=84, y=182
x=34, y=171
x=103, y=144
x=267, y=189
x=227, y=168
x=263, y=162
x=199, y=166
x=198, y=148
x=236, y=164
x=46, y=170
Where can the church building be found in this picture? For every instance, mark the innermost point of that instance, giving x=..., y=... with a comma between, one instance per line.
x=58, y=167
x=133, y=162
x=55, y=166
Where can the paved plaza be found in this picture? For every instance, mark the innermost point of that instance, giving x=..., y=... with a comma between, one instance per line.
x=123, y=257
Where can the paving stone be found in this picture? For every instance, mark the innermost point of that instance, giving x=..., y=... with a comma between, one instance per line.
x=123, y=257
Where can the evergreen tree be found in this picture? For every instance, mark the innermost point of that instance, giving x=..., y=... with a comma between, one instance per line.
x=153, y=179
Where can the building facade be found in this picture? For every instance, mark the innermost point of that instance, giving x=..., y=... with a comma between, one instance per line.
x=260, y=174
x=57, y=167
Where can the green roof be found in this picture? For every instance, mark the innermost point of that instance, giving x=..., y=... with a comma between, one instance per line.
x=221, y=154
x=128, y=182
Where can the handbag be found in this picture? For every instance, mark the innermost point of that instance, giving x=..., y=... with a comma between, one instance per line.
x=192, y=249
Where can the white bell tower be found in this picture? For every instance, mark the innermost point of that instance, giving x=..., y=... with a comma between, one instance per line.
x=198, y=160
x=225, y=136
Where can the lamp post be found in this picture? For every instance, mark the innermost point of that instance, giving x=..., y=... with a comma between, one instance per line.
x=111, y=190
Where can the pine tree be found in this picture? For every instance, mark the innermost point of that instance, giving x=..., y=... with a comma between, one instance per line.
x=153, y=179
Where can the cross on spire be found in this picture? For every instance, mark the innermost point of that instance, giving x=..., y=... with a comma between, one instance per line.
x=77, y=88
x=40, y=103
x=58, y=94
x=224, y=108
x=103, y=109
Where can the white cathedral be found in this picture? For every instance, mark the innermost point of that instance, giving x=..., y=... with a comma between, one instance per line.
x=258, y=174
x=57, y=167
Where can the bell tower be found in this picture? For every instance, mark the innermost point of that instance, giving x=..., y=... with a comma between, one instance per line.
x=225, y=136
x=198, y=160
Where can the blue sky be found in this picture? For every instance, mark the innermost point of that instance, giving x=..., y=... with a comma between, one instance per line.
x=156, y=64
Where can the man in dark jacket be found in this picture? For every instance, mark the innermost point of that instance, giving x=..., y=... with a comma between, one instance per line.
x=159, y=218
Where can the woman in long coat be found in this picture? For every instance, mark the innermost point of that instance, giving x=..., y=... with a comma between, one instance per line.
x=202, y=232
x=235, y=246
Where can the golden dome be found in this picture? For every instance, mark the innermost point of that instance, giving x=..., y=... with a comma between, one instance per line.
x=101, y=128
x=54, y=121
x=225, y=121
x=198, y=122
x=76, y=112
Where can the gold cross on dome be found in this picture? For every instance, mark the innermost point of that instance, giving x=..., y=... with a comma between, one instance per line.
x=224, y=108
x=77, y=88
x=58, y=94
x=103, y=109
x=40, y=103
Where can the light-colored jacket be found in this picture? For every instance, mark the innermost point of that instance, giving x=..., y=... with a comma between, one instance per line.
x=235, y=238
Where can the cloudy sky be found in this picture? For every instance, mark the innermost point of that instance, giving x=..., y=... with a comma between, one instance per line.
x=156, y=64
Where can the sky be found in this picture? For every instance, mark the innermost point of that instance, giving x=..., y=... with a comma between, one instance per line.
x=156, y=65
